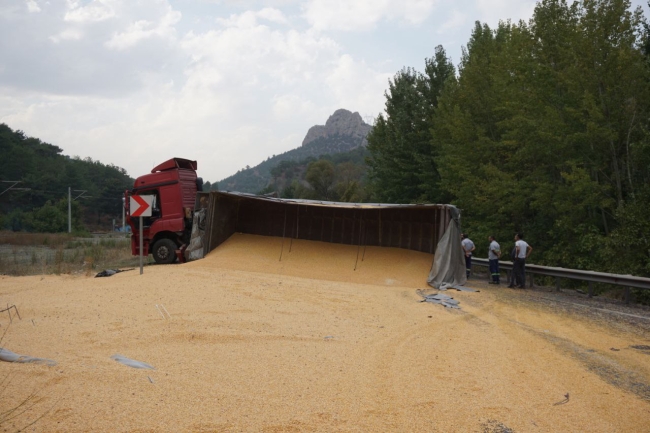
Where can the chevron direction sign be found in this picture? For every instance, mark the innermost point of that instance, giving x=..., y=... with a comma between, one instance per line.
x=141, y=205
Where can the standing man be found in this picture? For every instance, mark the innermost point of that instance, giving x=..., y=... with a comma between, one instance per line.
x=522, y=251
x=468, y=247
x=494, y=253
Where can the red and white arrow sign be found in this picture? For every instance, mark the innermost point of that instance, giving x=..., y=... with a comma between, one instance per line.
x=141, y=205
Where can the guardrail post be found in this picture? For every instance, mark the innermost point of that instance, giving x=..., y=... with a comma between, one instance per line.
x=531, y=281
x=557, y=283
x=591, y=289
x=627, y=295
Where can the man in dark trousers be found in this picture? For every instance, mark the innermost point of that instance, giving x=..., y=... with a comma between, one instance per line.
x=494, y=253
x=522, y=251
x=468, y=248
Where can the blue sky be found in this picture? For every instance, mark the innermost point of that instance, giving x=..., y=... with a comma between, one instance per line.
x=224, y=82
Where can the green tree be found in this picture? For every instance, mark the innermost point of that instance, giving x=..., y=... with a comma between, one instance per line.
x=291, y=191
x=402, y=162
x=320, y=175
x=49, y=219
x=53, y=217
x=348, y=186
x=549, y=114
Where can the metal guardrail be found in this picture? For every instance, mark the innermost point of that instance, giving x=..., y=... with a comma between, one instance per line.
x=575, y=274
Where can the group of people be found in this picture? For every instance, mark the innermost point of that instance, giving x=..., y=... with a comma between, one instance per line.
x=519, y=254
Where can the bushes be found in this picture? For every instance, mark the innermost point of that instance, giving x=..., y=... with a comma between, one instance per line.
x=52, y=217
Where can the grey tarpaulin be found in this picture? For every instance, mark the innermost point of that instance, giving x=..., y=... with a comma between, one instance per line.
x=442, y=299
x=9, y=356
x=448, y=262
x=111, y=272
x=195, y=249
x=132, y=362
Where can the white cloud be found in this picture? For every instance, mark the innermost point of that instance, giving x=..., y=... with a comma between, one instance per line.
x=493, y=11
x=357, y=86
x=244, y=51
x=272, y=15
x=144, y=29
x=252, y=4
x=363, y=15
x=95, y=11
x=32, y=6
x=415, y=11
x=245, y=20
x=287, y=105
x=344, y=15
x=455, y=21
x=249, y=19
x=67, y=35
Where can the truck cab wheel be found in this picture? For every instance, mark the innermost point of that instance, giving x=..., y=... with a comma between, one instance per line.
x=164, y=251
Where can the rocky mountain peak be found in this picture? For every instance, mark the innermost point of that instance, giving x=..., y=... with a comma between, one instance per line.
x=342, y=122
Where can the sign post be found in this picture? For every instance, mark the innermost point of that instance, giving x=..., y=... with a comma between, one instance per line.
x=141, y=267
x=140, y=206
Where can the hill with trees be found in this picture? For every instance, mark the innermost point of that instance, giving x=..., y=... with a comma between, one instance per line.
x=334, y=177
x=48, y=173
x=343, y=132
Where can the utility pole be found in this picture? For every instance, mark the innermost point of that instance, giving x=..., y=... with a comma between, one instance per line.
x=123, y=213
x=13, y=184
x=81, y=195
x=69, y=211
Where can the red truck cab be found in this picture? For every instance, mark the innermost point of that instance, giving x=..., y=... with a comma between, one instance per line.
x=173, y=184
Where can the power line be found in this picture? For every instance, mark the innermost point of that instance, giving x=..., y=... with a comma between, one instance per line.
x=81, y=195
x=60, y=192
x=13, y=184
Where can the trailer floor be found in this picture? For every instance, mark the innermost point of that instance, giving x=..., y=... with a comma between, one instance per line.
x=309, y=344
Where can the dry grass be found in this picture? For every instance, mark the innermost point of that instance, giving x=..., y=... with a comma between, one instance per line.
x=47, y=253
x=35, y=239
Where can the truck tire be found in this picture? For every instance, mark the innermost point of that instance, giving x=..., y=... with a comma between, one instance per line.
x=164, y=251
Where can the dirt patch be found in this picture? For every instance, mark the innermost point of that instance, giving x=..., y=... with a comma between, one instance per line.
x=493, y=426
x=605, y=367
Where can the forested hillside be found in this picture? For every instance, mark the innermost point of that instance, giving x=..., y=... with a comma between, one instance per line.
x=542, y=129
x=258, y=178
x=334, y=177
x=47, y=173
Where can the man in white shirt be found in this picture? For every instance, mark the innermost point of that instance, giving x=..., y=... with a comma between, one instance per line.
x=468, y=248
x=494, y=253
x=522, y=251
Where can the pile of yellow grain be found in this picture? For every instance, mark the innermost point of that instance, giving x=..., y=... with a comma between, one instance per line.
x=321, y=260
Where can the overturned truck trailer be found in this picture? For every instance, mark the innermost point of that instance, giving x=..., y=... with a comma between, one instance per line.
x=429, y=228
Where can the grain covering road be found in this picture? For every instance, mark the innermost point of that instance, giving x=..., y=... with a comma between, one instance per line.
x=256, y=344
